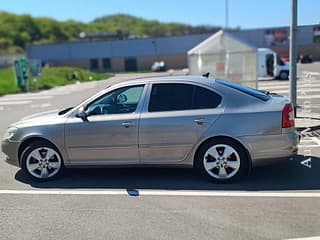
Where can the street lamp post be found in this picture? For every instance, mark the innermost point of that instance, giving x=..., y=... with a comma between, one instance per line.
x=227, y=15
x=293, y=56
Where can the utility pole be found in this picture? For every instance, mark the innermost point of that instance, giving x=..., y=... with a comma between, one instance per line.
x=227, y=15
x=293, y=56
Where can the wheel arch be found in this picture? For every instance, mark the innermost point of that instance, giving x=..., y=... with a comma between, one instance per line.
x=27, y=141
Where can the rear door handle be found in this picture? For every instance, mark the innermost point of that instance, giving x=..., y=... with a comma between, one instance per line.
x=128, y=124
x=200, y=121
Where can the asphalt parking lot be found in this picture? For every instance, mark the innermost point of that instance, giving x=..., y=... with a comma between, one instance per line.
x=275, y=202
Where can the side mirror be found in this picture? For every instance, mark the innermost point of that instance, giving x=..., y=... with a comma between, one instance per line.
x=82, y=114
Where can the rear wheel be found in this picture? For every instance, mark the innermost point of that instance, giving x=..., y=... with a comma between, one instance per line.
x=222, y=160
x=42, y=161
x=283, y=75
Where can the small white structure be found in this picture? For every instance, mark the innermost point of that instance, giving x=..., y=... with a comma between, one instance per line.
x=225, y=57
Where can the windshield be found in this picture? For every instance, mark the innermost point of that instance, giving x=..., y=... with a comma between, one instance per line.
x=264, y=96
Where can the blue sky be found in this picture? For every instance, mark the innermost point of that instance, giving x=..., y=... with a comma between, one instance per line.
x=244, y=13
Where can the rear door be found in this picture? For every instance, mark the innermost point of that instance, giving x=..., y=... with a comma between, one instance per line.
x=173, y=120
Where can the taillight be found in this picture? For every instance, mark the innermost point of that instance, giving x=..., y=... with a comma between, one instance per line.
x=287, y=116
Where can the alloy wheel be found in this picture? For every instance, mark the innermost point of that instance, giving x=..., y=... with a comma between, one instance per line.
x=43, y=162
x=221, y=161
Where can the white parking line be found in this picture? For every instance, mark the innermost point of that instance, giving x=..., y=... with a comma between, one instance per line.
x=305, y=87
x=308, y=97
x=178, y=193
x=25, y=97
x=301, y=90
x=14, y=103
x=305, y=238
x=43, y=105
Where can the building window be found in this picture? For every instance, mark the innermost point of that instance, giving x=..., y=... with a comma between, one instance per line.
x=106, y=63
x=94, y=64
x=130, y=64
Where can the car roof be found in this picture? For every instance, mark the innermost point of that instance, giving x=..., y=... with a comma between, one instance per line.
x=184, y=78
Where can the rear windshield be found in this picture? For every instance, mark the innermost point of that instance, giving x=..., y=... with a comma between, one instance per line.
x=250, y=91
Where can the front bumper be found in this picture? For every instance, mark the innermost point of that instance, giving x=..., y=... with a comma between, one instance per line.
x=10, y=149
x=269, y=149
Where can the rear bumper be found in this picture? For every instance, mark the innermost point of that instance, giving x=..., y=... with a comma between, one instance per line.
x=10, y=149
x=269, y=149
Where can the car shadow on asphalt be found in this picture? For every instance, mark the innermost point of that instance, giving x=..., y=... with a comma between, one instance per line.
x=291, y=175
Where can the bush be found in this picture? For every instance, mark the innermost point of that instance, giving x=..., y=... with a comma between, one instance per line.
x=7, y=81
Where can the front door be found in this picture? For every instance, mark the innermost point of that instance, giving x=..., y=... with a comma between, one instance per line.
x=109, y=135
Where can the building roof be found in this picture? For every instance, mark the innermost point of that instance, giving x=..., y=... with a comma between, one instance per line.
x=173, y=45
x=117, y=48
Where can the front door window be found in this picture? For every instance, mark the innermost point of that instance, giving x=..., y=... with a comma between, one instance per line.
x=119, y=101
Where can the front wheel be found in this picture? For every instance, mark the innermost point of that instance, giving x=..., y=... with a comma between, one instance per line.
x=222, y=160
x=42, y=161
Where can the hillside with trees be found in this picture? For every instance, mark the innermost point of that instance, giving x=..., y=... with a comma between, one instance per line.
x=17, y=31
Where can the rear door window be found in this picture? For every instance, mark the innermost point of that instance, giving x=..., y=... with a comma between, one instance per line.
x=177, y=97
x=171, y=97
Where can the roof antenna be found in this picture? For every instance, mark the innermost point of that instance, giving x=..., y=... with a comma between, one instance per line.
x=206, y=75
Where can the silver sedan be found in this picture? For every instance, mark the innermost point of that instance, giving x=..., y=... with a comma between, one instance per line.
x=220, y=128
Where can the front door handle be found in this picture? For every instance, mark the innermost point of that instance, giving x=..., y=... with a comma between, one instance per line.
x=200, y=121
x=128, y=124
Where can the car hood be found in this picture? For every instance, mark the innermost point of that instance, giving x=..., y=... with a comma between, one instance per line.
x=38, y=118
x=47, y=114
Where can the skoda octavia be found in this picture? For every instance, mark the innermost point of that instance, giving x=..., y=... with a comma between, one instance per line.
x=221, y=128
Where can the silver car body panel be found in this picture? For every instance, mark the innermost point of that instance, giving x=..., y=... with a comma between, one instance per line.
x=161, y=138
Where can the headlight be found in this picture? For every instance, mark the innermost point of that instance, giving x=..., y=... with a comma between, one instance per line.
x=10, y=133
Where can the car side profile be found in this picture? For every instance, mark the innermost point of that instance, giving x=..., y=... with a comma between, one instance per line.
x=221, y=128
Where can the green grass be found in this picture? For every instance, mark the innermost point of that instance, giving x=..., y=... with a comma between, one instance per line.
x=7, y=81
x=51, y=77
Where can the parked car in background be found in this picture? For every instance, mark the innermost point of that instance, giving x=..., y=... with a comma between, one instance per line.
x=158, y=66
x=305, y=58
x=285, y=58
x=221, y=128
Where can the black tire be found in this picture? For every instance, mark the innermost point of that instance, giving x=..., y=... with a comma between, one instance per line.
x=242, y=171
x=284, y=75
x=44, y=145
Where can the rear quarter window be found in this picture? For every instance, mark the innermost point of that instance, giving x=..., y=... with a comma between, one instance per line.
x=204, y=98
x=249, y=91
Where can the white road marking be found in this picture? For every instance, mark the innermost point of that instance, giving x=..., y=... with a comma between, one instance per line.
x=26, y=97
x=277, y=83
x=43, y=105
x=316, y=140
x=305, y=238
x=300, y=90
x=308, y=97
x=14, y=103
x=304, y=87
x=308, y=146
x=178, y=193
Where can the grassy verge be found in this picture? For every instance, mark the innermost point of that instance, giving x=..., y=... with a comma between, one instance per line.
x=51, y=77
x=7, y=81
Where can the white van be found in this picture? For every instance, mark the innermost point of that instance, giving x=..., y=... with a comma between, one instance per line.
x=269, y=64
